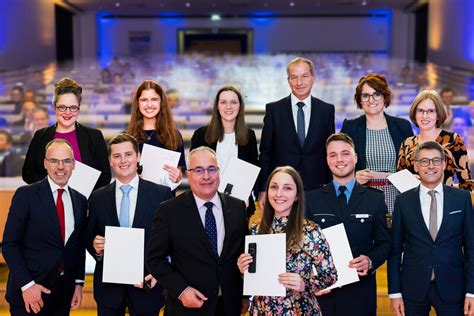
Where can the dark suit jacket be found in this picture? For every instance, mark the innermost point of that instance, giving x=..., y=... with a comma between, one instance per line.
x=451, y=254
x=398, y=128
x=91, y=145
x=248, y=153
x=11, y=165
x=103, y=212
x=279, y=145
x=178, y=232
x=32, y=243
x=366, y=227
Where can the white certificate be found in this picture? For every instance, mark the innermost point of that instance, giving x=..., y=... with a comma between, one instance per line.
x=84, y=178
x=123, y=255
x=404, y=180
x=271, y=261
x=240, y=176
x=153, y=160
x=341, y=255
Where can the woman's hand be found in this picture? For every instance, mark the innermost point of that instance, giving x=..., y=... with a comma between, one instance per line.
x=175, y=173
x=363, y=176
x=244, y=261
x=292, y=281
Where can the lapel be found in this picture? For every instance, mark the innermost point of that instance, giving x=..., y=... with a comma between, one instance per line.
x=288, y=117
x=194, y=217
x=83, y=143
x=361, y=140
x=355, y=199
x=49, y=206
x=415, y=197
x=446, y=197
x=139, y=208
x=226, y=213
x=331, y=198
x=75, y=209
x=313, y=122
x=112, y=209
x=394, y=132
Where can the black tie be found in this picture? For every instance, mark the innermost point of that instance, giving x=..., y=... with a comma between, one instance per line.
x=210, y=227
x=300, y=123
x=342, y=198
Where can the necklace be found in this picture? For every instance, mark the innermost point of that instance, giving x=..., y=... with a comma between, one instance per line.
x=148, y=134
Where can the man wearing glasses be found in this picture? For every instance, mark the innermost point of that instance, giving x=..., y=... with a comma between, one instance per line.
x=202, y=232
x=43, y=240
x=433, y=243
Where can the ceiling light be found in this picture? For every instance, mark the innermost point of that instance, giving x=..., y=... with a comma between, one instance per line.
x=117, y=4
x=188, y=4
x=215, y=17
x=292, y=4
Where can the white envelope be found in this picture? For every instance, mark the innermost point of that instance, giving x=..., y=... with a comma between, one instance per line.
x=123, y=255
x=153, y=160
x=84, y=178
x=404, y=180
x=241, y=175
x=271, y=261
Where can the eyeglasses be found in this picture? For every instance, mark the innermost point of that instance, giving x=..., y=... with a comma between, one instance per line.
x=427, y=112
x=212, y=170
x=55, y=162
x=377, y=96
x=425, y=162
x=63, y=108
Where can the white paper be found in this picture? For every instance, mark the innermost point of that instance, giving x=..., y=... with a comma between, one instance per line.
x=341, y=255
x=242, y=175
x=271, y=261
x=84, y=178
x=404, y=180
x=123, y=255
x=153, y=160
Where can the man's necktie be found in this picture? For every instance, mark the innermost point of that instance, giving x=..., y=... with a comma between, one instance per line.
x=342, y=197
x=60, y=210
x=210, y=227
x=433, y=220
x=124, y=217
x=300, y=128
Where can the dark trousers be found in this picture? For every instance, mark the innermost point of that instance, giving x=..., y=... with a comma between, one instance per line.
x=120, y=311
x=422, y=308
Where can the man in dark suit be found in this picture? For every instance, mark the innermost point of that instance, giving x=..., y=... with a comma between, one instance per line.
x=295, y=129
x=362, y=210
x=128, y=202
x=202, y=232
x=433, y=243
x=43, y=240
x=10, y=162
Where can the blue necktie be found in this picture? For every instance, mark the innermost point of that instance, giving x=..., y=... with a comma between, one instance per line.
x=300, y=123
x=124, y=217
x=210, y=227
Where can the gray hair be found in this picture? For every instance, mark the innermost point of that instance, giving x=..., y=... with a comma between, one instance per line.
x=300, y=60
x=200, y=149
x=429, y=145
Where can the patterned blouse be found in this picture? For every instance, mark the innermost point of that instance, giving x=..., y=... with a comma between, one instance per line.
x=312, y=251
x=457, y=161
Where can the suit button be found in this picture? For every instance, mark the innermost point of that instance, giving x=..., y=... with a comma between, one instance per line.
x=362, y=220
x=323, y=220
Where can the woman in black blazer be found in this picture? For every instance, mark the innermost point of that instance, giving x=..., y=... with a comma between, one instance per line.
x=227, y=132
x=377, y=136
x=87, y=143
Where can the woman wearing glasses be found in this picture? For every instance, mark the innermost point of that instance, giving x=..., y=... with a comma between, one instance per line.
x=377, y=136
x=227, y=132
x=428, y=113
x=87, y=143
x=309, y=264
x=152, y=123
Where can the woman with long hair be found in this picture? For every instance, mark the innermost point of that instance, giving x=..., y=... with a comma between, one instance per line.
x=305, y=247
x=152, y=123
x=87, y=143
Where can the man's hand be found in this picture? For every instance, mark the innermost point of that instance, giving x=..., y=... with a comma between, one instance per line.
x=32, y=298
x=469, y=306
x=77, y=297
x=99, y=243
x=150, y=278
x=361, y=264
x=397, y=306
x=192, y=298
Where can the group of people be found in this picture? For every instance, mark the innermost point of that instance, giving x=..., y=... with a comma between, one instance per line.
x=311, y=178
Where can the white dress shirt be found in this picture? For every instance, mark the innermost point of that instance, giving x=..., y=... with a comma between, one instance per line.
x=218, y=215
x=225, y=150
x=133, y=194
x=306, y=110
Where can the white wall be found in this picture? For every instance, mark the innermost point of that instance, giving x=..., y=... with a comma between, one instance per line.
x=451, y=33
x=27, y=34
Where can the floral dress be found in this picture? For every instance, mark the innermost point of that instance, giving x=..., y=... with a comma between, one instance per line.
x=457, y=161
x=313, y=250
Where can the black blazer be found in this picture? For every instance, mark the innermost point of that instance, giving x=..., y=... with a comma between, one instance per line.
x=366, y=227
x=32, y=242
x=451, y=254
x=91, y=145
x=178, y=232
x=398, y=128
x=11, y=165
x=279, y=145
x=103, y=212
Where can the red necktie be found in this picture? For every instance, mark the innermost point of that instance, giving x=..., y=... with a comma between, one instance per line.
x=60, y=209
